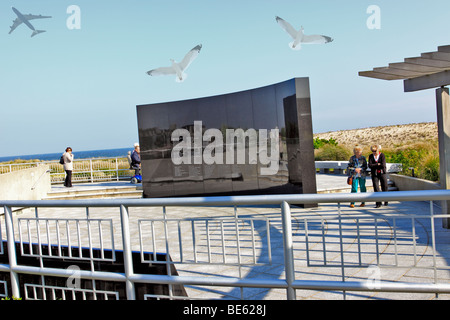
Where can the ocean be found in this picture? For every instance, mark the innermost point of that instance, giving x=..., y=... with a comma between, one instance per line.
x=108, y=153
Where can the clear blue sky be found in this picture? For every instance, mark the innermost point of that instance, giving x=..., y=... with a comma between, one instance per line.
x=81, y=87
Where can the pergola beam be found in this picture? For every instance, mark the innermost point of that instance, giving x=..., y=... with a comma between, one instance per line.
x=430, y=81
x=444, y=56
x=378, y=75
x=428, y=62
x=399, y=72
x=428, y=69
x=444, y=48
x=414, y=67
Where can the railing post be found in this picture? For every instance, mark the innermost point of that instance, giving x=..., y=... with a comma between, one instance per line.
x=288, y=249
x=341, y=247
x=15, y=286
x=117, y=169
x=127, y=254
x=90, y=168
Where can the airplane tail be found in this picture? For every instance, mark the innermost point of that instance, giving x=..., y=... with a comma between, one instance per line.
x=35, y=32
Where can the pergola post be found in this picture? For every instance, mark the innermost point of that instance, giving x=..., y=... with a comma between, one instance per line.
x=430, y=70
x=443, y=122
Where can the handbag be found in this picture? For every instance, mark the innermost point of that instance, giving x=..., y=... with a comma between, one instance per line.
x=350, y=180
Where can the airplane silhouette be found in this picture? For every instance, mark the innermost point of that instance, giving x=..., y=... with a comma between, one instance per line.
x=23, y=18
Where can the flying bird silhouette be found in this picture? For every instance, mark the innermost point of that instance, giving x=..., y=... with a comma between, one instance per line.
x=299, y=37
x=178, y=68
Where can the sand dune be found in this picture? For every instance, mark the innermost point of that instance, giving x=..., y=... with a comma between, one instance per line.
x=386, y=136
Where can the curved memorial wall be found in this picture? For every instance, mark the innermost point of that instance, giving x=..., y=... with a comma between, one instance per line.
x=258, y=141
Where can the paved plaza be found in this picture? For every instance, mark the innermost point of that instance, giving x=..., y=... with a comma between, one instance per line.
x=350, y=244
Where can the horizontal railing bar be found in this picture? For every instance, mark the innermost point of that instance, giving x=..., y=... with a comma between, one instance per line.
x=373, y=217
x=123, y=158
x=84, y=274
x=213, y=219
x=209, y=281
x=157, y=279
x=380, y=286
x=369, y=285
x=5, y=267
x=85, y=170
x=420, y=195
x=298, y=284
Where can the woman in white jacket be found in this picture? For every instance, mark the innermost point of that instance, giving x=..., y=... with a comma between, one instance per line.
x=68, y=166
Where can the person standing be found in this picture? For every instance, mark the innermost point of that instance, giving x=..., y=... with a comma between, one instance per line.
x=357, y=167
x=68, y=166
x=377, y=165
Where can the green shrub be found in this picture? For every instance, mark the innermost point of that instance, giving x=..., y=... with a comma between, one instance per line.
x=330, y=152
x=424, y=158
x=319, y=143
x=431, y=169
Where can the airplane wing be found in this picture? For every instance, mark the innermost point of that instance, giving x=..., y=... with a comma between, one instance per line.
x=161, y=71
x=190, y=56
x=32, y=16
x=16, y=23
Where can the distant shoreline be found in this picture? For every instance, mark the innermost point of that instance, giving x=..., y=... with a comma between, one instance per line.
x=384, y=135
x=107, y=153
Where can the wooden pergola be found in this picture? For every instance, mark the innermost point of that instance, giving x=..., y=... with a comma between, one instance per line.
x=430, y=70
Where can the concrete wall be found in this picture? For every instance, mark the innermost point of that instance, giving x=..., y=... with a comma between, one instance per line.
x=340, y=167
x=26, y=184
x=405, y=183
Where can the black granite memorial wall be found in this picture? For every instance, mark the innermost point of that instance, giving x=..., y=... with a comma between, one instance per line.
x=178, y=140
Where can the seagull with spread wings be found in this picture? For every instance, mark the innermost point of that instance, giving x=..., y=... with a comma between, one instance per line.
x=178, y=68
x=299, y=37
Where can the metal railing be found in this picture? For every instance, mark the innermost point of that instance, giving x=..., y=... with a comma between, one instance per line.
x=227, y=239
x=109, y=169
x=84, y=170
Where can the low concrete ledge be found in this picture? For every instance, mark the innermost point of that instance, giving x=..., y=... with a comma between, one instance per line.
x=340, y=167
x=405, y=183
x=26, y=184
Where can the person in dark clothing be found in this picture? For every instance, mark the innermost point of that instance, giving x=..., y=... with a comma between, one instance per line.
x=377, y=165
x=136, y=160
x=68, y=166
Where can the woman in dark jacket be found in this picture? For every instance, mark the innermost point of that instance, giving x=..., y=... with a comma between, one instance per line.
x=377, y=165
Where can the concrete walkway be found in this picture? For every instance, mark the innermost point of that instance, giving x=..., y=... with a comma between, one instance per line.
x=326, y=183
x=383, y=244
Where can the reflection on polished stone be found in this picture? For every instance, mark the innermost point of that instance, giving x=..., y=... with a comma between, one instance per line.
x=283, y=108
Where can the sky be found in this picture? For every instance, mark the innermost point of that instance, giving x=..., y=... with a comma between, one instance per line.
x=78, y=83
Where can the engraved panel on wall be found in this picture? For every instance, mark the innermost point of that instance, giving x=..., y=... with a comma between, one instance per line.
x=249, y=126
